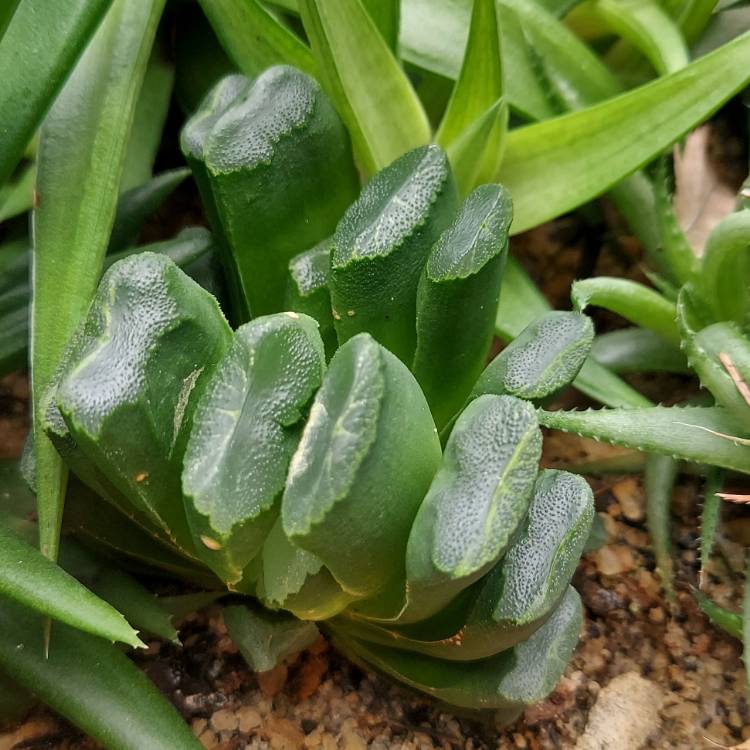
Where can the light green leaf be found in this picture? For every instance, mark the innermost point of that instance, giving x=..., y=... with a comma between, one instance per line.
x=91, y=683
x=6, y=14
x=31, y=579
x=635, y=302
x=254, y=38
x=645, y=25
x=387, y=17
x=730, y=622
x=149, y=119
x=555, y=166
x=35, y=70
x=710, y=516
x=373, y=94
x=17, y=196
x=480, y=82
x=83, y=144
x=703, y=434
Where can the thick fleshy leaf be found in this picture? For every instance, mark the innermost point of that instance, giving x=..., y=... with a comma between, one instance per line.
x=296, y=580
x=375, y=97
x=131, y=380
x=91, y=683
x=545, y=357
x=381, y=245
x=519, y=593
x=266, y=638
x=475, y=503
x=466, y=263
x=357, y=475
x=281, y=173
x=79, y=167
x=31, y=579
x=635, y=302
x=307, y=290
x=521, y=303
x=39, y=69
x=507, y=682
x=245, y=429
x=725, y=272
x=703, y=434
x=594, y=148
x=236, y=22
x=731, y=622
x=629, y=350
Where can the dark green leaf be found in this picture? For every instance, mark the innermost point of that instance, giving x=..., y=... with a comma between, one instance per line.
x=357, y=474
x=266, y=638
x=133, y=376
x=381, y=245
x=508, y=681
x=307, y=290
x=91, y=683
x=246, y=427
x=31, y=579
x=545, y=357
x=281, y=174
x=466, y=263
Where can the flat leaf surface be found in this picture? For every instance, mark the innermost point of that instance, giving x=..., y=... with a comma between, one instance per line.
x=365, y=81
x=82, y=144
x=41, y=49
x=554, y=166
x=30, y=578
x=91, y=683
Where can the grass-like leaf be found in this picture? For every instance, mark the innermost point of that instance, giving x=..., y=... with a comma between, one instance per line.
x=635, y=302
x=660, y=475
x=554, y=166
x=254, y=38
x=31, y=579
x=703, y=434
x=83, y=143
x=646, y=25
x=34, y=72
x=365, y=81
x=91, y=683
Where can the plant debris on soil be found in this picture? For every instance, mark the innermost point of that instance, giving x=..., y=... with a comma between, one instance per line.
x=647, y=673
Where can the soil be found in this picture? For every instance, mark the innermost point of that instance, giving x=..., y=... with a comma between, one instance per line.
x=647, y=672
